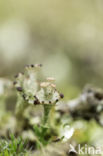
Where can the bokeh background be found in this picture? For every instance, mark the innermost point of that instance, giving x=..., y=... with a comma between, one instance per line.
x=66, y=36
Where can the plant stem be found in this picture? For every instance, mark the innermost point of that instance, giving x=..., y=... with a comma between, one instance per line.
x=47, y=109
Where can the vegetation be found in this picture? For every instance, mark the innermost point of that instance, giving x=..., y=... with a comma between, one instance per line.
x=13, y=147
x=43, y=123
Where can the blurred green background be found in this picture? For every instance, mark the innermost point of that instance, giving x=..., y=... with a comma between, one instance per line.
x=66, y=36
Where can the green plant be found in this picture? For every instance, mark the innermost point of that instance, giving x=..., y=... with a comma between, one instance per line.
x=31, y=92
x=13, y=147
